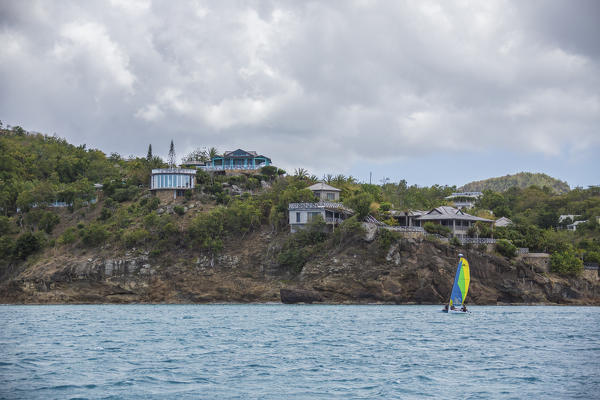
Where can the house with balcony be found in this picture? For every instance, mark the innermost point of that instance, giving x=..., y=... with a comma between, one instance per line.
x=170, y=183
x=236, y=160
x=325, y=192
x=464, y=199
x=457, y=220
x=332, y=213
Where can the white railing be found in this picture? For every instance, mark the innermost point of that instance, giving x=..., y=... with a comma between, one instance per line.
x=477, y=240
x=331, y=220
x=405, y=228
x=174, y=171
x=322, y=204
x=230, y=167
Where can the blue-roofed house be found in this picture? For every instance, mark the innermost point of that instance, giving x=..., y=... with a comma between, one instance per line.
x=237, y=160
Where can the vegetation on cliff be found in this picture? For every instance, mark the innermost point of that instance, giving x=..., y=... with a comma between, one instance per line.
x=36, y=171
x=521, y=180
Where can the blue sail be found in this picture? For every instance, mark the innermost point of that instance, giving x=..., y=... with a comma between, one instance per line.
x=461, y=283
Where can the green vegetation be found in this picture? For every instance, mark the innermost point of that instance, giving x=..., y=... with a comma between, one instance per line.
x=506, y=248
x=566, y=263
x=37, y=171
x=521, y=180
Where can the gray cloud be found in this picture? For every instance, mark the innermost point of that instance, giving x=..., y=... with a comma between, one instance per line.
x=322, y=85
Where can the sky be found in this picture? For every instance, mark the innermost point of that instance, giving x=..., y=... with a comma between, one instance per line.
x=433, y=92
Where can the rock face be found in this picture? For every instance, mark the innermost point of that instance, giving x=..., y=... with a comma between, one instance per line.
x=292, y=296
x=409, y=271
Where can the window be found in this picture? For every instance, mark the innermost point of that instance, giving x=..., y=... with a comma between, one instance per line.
x=297, y=217
x=330, y=196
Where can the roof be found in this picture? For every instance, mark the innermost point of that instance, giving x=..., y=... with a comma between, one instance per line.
x=450, y=213
x=239, y=153
x=323, y=186
x=174, y=171
x=503, y=221
x=410, y=213
x=465, y=194
x=338, y=207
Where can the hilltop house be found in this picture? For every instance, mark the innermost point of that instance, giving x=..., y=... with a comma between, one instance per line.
x=324, y=192
x=458, y=221
x=237, y=160
x=170, y=183
x=301, y=214
x=464, y=199
x=502, y=222
x=455, y=219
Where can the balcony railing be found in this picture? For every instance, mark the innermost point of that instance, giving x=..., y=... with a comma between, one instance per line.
x=174, y=171
x=331, y=220
x=229, y=167
x=319, y=205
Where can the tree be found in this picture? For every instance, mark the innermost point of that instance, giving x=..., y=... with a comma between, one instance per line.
x=171, y=158
x=566, y=263
x=149, y=155
x=360, y=203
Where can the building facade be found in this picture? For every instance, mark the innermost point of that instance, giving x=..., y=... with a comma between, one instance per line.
x=464, y=199
x=237, y=160
x=325, y=192
x=172, y=182
x=332, y=214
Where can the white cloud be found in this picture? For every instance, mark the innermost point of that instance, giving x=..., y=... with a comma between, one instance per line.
x=314, y=84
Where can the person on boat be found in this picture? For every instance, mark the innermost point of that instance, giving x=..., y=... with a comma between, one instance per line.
x=464, y=308
x=446, y=307
x=452, y=307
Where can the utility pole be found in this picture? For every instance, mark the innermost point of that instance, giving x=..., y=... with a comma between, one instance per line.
x=370, y=175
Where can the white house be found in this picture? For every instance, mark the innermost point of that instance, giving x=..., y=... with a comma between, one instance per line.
x=172, y=182
x=325, y=192
x=301, y=214
x=464, y=199
x=503, y=221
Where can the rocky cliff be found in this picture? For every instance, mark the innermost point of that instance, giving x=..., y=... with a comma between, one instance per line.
x=361, y=271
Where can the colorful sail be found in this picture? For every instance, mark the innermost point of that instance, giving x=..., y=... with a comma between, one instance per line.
x=461, y=283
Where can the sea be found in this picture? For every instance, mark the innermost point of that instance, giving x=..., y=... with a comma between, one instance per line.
x=276, y=351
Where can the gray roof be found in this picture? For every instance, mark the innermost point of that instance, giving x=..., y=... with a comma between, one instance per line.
x=410, y=213
x=503, y=221
x=450, y=213
x=323, y=186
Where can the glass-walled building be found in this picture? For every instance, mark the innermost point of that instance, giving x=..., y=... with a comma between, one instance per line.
x=173, y=179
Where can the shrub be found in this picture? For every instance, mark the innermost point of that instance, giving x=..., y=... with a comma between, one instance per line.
x=269, y=171
x=592, y=257
x=94, y=235
x=7, y=247
x=566, y=263
x=361, y=204
x=454, y=241
x=153, y=204
x=105, y=214
x=27, y=244
x=135, y=237
x=179, y=210
x=293, y=258
x=506, y=248
x=125, y=194
x=68, y=236
x=437, y=229
x=385, y=239
x=6, y=226
x=206, y=232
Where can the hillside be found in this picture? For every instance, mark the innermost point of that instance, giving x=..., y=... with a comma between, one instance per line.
x=228, y=239
x=521, y=180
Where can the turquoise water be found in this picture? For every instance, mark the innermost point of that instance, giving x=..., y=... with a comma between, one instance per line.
x=297, y=352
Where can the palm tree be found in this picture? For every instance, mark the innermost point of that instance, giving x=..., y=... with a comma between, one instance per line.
x=301, y=173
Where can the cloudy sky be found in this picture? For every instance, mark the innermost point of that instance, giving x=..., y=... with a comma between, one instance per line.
x=432, y=92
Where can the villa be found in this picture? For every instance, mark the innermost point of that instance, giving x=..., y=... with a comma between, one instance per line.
x=458, y=221
x=170, y=183
x=455, y=219
x=301, y=214
x=324, y=192
x=239, y=159
x=464, y=199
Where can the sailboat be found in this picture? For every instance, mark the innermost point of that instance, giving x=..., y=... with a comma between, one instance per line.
x=460, y=287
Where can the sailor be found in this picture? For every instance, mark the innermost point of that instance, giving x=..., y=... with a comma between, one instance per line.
x=464, y=308
x=446, y=308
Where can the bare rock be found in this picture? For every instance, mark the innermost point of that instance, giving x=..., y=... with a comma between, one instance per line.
x=292, y=296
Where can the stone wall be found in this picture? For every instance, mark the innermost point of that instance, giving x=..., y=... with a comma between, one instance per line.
x=540, y=261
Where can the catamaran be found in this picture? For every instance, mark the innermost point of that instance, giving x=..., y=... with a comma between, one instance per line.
x=460, y=287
